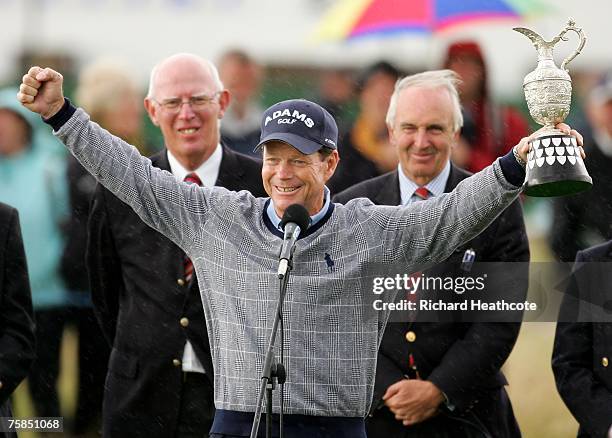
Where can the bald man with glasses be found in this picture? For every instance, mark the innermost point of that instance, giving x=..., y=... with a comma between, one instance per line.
x=160, y=379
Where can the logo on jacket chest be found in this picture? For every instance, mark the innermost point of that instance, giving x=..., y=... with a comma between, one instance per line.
x=329, y=262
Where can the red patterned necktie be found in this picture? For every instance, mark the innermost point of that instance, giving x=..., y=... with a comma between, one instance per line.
x=191, y=178
x=422, y=193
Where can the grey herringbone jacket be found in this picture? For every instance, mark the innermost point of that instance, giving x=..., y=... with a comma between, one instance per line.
x=332, y=331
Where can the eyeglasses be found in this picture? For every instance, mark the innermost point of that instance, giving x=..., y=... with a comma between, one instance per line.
x=174, y=105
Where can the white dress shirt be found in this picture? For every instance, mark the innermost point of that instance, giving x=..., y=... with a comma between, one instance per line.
x=208, y=173
x=408, y=187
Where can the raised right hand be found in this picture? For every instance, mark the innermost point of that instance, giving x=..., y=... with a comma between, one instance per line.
x=41, y=91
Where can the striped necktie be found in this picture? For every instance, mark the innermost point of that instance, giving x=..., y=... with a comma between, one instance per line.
x=422, y=193
x=191, y=178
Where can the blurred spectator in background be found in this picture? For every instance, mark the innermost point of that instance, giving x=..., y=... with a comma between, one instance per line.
x=583, y=81
x=111, y=96
x=336, y=92
x=365, y=149
x=583, y=220
x=489, y=130
x=241, y=76
x=33, y=180
x=16, y=319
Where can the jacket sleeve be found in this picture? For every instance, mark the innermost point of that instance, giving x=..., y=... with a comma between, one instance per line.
x=589, y=401
x=17, y=344
x=103, y=266
x=478, y=356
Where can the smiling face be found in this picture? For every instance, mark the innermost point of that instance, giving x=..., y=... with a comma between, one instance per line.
x=423, y=132
x=291, y=177
x=191, y=133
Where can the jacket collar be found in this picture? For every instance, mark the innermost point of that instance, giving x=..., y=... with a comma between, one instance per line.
x=229, y=170
x=389, y=193
x=455, y=176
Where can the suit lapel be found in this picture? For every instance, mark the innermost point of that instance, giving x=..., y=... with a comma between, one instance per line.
x=230, y=172
x=160, y=160
x=454, y=177
x=388, y=193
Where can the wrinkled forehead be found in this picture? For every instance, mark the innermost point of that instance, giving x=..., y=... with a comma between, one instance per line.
x=425, y=104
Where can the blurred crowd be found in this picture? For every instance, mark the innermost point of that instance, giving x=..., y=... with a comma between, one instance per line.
x=52, y=192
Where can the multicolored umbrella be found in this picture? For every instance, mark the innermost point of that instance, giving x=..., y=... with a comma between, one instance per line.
x=351, y=19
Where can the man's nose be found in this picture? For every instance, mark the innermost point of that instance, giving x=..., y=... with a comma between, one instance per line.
x=421, y=138
x=186, y=111
x=284, y=170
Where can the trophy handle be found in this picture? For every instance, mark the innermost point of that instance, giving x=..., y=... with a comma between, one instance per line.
x=571, y=25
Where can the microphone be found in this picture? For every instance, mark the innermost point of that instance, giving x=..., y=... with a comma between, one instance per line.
x=294, y=221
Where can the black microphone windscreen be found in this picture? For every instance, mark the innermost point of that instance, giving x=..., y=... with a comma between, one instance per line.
x=297, y=214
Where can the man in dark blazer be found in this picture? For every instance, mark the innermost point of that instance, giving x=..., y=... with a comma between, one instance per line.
x=583, y=343
x=441, y=379
x=584, y=221
x=160, y=379
x=16, y=319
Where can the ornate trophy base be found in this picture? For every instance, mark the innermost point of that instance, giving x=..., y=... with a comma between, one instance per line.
x=555, y=167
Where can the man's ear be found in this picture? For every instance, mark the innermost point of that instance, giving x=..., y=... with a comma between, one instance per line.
x=224, y=101
x=332, y=163
x=456, y=136
x=151, y=110
x=390, y=134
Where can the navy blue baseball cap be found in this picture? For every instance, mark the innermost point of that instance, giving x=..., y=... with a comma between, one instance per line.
x=302, y=124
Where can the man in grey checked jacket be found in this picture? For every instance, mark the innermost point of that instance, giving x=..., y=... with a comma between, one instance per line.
x=332, y=331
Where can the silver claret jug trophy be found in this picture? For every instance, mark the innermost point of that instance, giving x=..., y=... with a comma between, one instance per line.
x=554, y=163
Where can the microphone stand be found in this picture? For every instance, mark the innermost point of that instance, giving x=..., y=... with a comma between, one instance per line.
x=272, y=371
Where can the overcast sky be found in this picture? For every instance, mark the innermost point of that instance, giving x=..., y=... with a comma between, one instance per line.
x=140, y=32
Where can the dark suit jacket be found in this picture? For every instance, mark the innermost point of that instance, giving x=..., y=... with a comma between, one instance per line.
x=462, y=359
x=583, y=220
x=17, y=344
x=81, y=185
x=141, y=301
x=353, y=168
x=582, y=350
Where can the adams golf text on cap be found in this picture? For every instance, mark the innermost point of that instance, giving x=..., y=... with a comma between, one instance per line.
x=304, y=125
